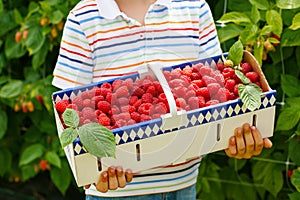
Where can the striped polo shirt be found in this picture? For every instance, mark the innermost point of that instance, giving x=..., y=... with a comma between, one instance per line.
x=100, y=42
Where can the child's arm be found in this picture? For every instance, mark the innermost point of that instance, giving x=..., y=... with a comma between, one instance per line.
x=113, y=178
x=246, y=142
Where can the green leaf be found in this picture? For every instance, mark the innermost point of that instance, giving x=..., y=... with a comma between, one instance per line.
x=294, y=151
x=266, y=174
x=288, y=4
x=61, y=177
x=98, y=140
x=53, y=159
x=290, y=38
x=40, y=56
x=267, y=29
x=294, y=196
x=296, y=22
x=35, y=39
x=241, y=76
x=250, y=95
x=258, y=50
x=18, y=17
x=235, y=17
x=5, y=160
x=68, y=136
x=229, y=31
x=295, y=179
x=31, y=153
x=249, y=34
x=260, y=4
x=235, y=53
x=293, y=102
x=7, y=22
x=3, y=123
x=28, y=172
x=1, y=6
x=288, y=119
x=12, y=48
x=255, y=15
x=56, y=16
x=11, y=89
x=71, y=118
x=274, y=19
x=290, y=85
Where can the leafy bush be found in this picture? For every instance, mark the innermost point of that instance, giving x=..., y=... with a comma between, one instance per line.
x=30, y=34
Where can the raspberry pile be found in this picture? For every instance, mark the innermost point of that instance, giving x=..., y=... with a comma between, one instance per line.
x=199, y=85
x=126, y=102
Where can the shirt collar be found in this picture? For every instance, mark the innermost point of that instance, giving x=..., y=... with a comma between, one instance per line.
x=110, y=10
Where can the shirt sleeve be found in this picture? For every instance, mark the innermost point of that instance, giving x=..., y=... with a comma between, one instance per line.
x=74, y=66
x=209, y=41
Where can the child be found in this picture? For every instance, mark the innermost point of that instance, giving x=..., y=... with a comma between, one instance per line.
x=106, y=39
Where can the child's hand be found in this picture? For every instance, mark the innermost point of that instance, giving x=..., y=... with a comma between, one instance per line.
x=113, y=179
x=246, y=142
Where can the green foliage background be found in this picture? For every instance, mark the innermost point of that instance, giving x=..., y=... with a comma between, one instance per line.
x=27, y=126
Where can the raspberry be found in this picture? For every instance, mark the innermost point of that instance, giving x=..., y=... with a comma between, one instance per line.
x=87, y=103
x=116, y=84
x=179, y=91
x=253, y=76
x=106, y=86
x=212, y=102
x=61, y=106
x=175, y=73
x=162, y=98
x=213, y=88
x=205, y=71
x=158, y=87
x=203, y=92
x=104, y=106
x=137, y=91
x=195, y=76
x=151, y=90
x=207, y=80
x=246, y=67
x=78, y=101
x=220, y=67
x=190, y=93
x=104, y=120
x=147, y=83
x=128, y=83
x=72, y=106
x=123, y=101
x=88, y=94
x=88, y=113
x=193, y=103
x=201, y=101
x=104, y=91
x=136, y=116
x=236, y=90
x=132, y=100
x=167, y=75
x=230, y=83
x=145, y=117
x=122, y=91
x=187, y=71
x=147, y=98
x=137, y=103
x=228, y=72
x=176, y=82
x=193, y=86
x=121, y=123
x=199, y=83
x=96, y=99
x=196, y=67
x=145, y=108
x=115, y=110
x=219, y=78
x=180, y=102
x=223, y=95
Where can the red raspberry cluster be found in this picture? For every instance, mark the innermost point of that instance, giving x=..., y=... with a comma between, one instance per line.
x=199, y=85
x=120, y=103
x=126, y=102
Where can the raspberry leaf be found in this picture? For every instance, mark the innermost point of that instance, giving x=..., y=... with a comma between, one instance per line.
x=68, y=136
x=241, y=76
x=250, y=95
x=98, y=140
x=236, y=52
x=70, y=118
